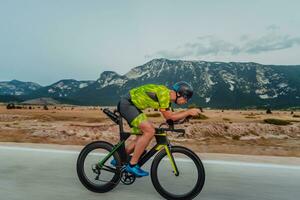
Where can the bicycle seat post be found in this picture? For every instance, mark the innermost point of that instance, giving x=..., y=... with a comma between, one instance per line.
x=121, y=129
x=123, y=135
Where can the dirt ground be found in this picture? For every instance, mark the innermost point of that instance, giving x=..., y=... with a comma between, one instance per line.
x=227, y=131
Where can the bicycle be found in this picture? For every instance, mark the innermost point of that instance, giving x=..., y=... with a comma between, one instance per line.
x=93, y=164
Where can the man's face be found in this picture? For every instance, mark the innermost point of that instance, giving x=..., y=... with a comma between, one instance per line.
x=181, y=100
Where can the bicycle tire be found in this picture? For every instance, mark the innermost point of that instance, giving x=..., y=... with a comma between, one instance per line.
x=80, y=167
x=201, y=174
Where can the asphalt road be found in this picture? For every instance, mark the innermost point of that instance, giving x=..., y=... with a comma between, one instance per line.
x=38, y=174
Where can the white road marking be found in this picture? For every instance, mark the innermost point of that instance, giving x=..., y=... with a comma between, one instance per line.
x=38, y=150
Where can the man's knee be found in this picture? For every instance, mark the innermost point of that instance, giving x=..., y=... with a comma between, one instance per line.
x=135, y=139
x=147, y=129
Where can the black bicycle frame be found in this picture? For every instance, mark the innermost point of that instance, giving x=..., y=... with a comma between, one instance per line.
x=161, y=139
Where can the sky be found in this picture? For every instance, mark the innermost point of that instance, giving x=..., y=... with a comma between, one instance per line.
x=44, y=41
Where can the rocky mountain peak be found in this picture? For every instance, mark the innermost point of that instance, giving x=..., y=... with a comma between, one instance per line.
x=216, y=84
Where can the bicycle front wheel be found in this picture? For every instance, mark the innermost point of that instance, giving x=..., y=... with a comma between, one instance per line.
x=189, y=181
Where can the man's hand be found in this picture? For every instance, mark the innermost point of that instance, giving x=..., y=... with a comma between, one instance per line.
x=194, y=111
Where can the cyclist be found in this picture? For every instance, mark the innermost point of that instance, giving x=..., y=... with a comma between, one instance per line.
x=151, y=96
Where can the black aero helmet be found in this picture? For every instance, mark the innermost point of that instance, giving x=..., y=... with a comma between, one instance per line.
x=183, y=89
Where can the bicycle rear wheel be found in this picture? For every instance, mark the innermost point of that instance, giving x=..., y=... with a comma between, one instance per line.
x=190, y=180
x=94, y=177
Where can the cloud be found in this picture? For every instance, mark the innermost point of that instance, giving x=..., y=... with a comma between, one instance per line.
x=273, y=27
x=271, y=42
x=211, y=45
x=244, y=37
x=203, y=46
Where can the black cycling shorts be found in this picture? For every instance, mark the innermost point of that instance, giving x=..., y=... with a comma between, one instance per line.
x=127, y=109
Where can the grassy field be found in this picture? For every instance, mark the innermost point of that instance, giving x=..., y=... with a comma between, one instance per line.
x=219, y=131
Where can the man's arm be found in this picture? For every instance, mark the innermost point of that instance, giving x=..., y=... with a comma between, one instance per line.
x=179, y=115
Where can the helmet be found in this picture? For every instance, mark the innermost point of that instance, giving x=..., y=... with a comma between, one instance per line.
x=183, y=89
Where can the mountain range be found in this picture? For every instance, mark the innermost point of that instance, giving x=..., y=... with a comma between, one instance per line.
x=216, y=84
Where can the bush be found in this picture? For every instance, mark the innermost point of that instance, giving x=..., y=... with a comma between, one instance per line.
x=10, y=106
x=153, y=115
x=200, y=116
x=269, y=111
x=296, y=116
x=236, y=137
x=250, y=117
x=193, y=105
x=277, y=121
x=252, y=132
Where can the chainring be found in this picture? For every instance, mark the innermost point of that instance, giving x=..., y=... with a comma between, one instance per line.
x=127, y=178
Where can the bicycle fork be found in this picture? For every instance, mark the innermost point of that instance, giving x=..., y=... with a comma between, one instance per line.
x=171, y=158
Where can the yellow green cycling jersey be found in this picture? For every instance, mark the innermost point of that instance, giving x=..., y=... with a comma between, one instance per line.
x=150, y=96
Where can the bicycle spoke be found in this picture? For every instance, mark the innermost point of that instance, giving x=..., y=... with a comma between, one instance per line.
x=170, y=180
x=105, y=173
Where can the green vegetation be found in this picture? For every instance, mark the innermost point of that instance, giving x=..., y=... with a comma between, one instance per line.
x=226, y=119
x=250, y=117
x=269, y=111
x=236, y=137
x=293, y=120
x=200, y=116
x=252, y=132
x=153, y=115
x=193, y=105
x=277, y=121
x=94, y=120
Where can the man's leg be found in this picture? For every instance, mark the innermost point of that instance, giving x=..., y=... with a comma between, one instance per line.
x=130, y=147
x=142, y=141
